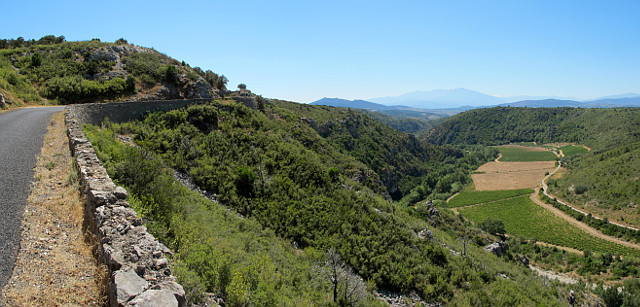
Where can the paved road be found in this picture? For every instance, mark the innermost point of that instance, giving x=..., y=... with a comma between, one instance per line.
x=21, y=136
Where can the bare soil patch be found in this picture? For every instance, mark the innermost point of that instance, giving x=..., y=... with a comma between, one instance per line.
x=56, y=265
x=510, y=175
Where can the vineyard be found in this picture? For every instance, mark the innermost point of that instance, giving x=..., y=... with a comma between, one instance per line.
x=571, y=150
x=479, y=197
x=522, y=154
x=523, y=218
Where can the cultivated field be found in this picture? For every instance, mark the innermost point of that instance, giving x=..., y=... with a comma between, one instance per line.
x=511, y=175
x=478, y=197
x=517, y=153
x=571, y=150
x=523, y=218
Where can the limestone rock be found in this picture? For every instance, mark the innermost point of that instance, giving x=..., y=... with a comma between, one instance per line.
x=155, y=298
x=120, y=193
x=497, y=248
x=126, y=285
x=176, y=289
x=425, y=234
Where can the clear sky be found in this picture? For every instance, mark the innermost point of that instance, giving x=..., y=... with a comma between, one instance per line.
x=305, y=50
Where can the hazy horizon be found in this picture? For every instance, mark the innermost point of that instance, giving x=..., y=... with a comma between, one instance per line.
x=361, y=49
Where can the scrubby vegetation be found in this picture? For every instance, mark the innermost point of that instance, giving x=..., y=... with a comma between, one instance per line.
x=90, y=71
x=310, y=189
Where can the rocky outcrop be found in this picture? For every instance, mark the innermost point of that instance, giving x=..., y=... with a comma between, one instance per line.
x=497, y=248
x=3, y=105
x=139, y=270
x=431, y=211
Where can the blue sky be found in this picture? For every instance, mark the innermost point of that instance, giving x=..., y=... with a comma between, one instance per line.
x=306, y=50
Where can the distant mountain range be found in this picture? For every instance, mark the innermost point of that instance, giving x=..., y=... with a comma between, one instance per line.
x=449, y=102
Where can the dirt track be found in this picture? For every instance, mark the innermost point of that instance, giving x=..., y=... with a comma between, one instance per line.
x=557, y=212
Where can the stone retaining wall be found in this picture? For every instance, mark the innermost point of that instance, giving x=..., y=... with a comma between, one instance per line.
x=138, y=267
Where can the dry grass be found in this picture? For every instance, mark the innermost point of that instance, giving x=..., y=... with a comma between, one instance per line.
x=511, y=175
x=56, y=265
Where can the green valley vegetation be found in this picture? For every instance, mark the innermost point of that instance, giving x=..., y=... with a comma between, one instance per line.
x=319, y=179
x=92, y=71
x=606, y=177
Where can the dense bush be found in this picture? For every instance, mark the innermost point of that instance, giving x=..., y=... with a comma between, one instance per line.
x=74, y=89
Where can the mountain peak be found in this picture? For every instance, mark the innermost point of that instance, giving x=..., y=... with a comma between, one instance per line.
x=441, y=98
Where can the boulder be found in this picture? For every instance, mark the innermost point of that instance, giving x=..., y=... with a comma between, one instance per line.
x=120, y=193
x=497, y=248
x=155, y=298
x=176, y=289
x=126, y=285
x=425, y=234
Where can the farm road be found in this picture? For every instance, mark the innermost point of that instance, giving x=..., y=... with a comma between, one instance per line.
x=559, y=213
x=21, y=136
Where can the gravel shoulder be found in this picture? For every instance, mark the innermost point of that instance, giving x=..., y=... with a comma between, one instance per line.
x=21, y=135
x=55, y=265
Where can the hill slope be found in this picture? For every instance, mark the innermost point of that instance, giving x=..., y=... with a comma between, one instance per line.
x=91, y=71
x=309, y=174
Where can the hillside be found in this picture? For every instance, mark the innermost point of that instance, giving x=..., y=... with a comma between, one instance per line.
x=51, y=70
x=603, y=178
x=313, y=176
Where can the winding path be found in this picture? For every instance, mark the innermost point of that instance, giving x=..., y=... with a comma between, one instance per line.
x=21, y=136
x=545, y=189
x=559, y=213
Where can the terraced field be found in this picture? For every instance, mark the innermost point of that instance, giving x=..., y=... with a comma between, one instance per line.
x=523, y=218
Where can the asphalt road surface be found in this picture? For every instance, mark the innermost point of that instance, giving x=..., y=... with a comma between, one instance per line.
x=21, y=138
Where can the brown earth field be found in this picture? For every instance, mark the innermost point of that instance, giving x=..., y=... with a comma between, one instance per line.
x=510, y=175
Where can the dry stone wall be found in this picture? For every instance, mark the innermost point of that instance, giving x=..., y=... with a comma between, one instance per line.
x=138, y=266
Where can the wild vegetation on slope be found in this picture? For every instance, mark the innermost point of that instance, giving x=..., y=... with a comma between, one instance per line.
x=274, y=168
x=90, y=71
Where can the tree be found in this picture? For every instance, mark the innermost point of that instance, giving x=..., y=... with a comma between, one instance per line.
x=171, y=74
x=36, y=59
x=121, y=41
x=244, y=181
x=242, y=87
x=347, y=287
x=492, y=226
